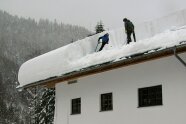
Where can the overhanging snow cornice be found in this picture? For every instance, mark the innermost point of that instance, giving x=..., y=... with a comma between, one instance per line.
x=133, y=59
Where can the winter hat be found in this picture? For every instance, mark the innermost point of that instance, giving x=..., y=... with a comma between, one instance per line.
x=125, y=19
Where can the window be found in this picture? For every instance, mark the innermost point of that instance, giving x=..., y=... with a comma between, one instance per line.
x=76, y=106
x=106, y=102
x=150, y=96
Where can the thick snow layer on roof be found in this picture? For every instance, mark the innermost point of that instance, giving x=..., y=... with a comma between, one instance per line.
x=81, y=54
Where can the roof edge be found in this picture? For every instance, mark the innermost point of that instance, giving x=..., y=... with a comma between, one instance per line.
x=135, y=59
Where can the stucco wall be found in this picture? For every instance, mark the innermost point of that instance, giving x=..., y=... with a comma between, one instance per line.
x=124, y=84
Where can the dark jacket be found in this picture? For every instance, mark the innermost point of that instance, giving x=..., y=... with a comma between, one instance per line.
x=105, y=38
x=129, y=27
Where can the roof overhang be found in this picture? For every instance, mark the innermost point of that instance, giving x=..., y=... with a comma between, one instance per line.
x=133, y=59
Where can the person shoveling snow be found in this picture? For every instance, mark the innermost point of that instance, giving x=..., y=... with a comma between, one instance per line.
x=104, y=40
x=129, y=29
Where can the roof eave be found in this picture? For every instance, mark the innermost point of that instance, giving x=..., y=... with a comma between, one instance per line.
x=135, y=59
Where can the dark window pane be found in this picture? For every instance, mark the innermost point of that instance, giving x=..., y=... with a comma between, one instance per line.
x=150, y=96
x=76, y=106
x=106, y=102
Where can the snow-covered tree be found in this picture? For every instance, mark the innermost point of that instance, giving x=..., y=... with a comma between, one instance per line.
x=22, y=39
x=99, y=27
x=44, y=106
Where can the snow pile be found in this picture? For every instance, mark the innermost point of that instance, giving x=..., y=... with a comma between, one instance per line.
x=80, y=54
x=153, y=27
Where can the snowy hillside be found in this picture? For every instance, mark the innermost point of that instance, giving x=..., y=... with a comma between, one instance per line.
x=80, y=54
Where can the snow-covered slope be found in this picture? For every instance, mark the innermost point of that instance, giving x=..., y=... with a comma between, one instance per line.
x=81, y=54
x=151, y=28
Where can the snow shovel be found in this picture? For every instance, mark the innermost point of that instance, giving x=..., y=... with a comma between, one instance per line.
x=97, y=46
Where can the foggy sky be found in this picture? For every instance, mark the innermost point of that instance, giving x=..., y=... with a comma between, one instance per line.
x=88, y=12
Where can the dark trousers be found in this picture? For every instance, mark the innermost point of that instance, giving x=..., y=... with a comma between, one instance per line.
x=129, y=37
x=103, y=44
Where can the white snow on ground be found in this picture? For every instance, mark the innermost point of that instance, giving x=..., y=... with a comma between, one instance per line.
x=80, y=54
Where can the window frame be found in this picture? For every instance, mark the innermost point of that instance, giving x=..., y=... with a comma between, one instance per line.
x=76, y=106
x=150, y=96
x=103, y=99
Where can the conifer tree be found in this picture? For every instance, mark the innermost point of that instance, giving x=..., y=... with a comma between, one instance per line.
x=44, y=106
x=99, y=27
x=22, y=39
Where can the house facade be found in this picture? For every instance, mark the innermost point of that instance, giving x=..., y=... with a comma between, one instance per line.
x=150, y=92
x=143, y=82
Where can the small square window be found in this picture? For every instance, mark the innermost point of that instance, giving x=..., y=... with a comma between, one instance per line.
x=106, y=102
x=150, y=96
x=76, y=106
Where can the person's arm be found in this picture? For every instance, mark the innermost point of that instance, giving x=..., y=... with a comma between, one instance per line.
x=99, y=39
x=126, y=27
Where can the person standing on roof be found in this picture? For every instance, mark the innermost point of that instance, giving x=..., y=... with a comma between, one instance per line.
x=105, y=40
x=129, y=29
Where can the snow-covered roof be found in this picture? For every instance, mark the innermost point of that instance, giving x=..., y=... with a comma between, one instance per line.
x=81, y=55
x=79, y=58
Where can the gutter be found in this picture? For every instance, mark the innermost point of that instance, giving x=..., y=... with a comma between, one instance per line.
x=178, y=57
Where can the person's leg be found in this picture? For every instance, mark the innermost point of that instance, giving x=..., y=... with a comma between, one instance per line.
x=128, y=37
x=103, y=44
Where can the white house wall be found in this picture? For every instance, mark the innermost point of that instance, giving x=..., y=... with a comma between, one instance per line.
x=124, y=83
